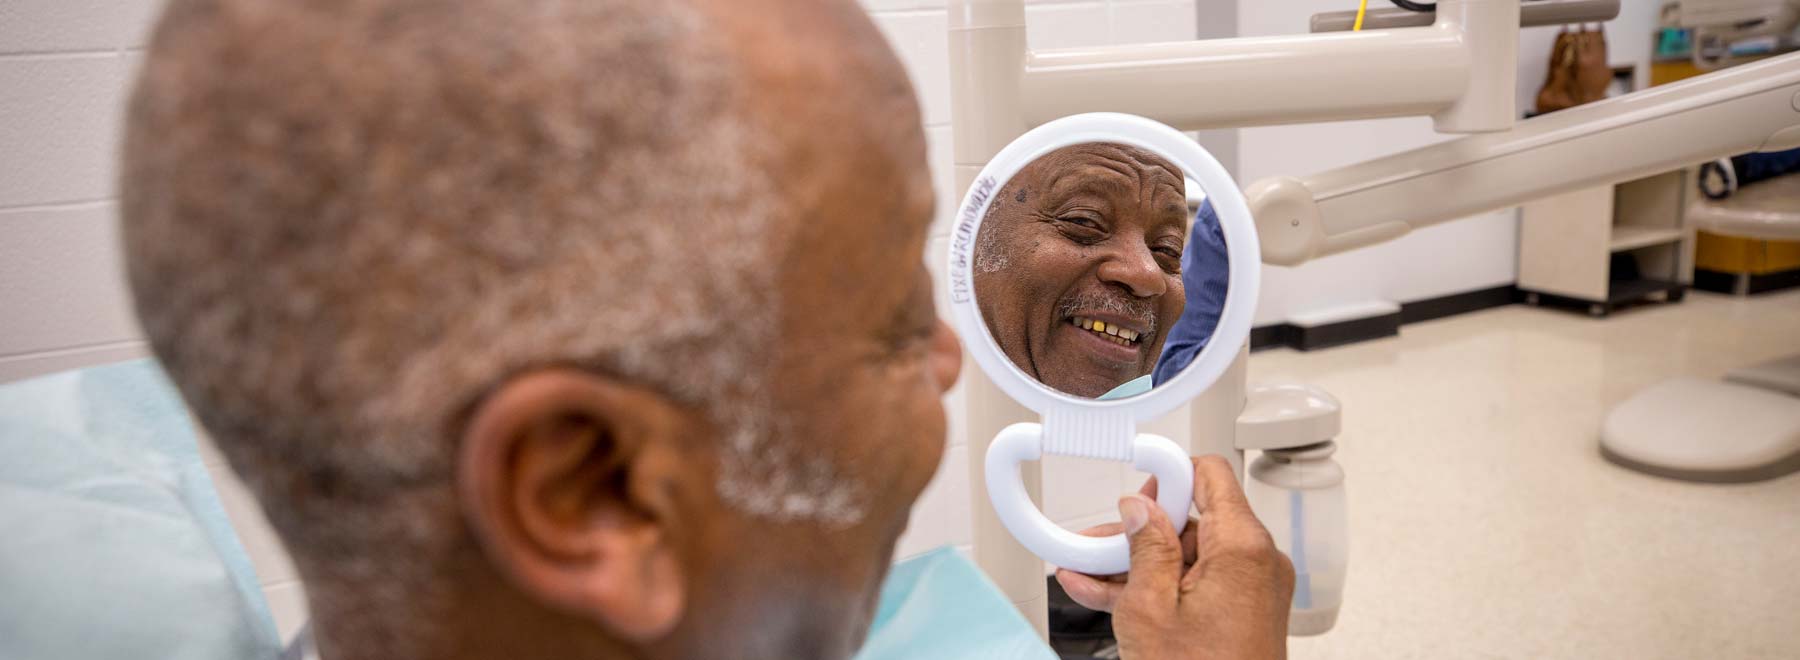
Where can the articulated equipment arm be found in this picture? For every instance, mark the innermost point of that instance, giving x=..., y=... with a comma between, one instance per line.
x=1755, y=107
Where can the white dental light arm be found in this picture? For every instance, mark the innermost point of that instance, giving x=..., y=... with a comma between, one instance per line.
x=1460, y=70
x=1533, y=13
x=1755, y=107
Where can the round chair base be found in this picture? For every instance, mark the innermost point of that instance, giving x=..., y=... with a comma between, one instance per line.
x=1781, y=375
x=1700, y=430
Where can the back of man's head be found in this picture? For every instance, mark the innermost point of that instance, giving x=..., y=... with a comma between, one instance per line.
x=446, y=280
x=345, y=220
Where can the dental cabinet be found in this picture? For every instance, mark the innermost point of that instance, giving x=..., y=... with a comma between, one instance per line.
x=1607, y=246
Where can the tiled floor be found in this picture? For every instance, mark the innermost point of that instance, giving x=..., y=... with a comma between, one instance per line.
x=1485, y=524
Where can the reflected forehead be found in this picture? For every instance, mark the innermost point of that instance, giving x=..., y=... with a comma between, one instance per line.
x=1111, y=165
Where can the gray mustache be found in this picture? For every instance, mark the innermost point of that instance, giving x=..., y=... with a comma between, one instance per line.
x=1136, y=310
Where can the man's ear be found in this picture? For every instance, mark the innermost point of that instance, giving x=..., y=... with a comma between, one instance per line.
x=573, y=483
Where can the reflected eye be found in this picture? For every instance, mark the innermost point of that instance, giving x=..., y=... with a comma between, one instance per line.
x=1168, y=258
x=1083, y=220
x=1085, y=227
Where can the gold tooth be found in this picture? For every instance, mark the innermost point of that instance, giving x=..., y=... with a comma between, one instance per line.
x=1100, y=327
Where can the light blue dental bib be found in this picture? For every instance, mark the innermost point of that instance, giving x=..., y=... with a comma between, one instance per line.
x=940, y=606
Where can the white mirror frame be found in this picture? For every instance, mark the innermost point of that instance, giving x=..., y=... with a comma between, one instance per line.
x=1089, y=427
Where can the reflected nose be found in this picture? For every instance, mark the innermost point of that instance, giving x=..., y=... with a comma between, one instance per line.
x=946, y=356
x=1135, y=269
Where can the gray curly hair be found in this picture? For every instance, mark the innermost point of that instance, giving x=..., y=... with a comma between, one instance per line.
x=345, y=221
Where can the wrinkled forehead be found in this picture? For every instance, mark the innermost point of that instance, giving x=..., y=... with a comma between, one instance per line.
x=1120, y=167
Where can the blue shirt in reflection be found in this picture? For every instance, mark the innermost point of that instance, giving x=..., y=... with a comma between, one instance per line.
x=1205, y=274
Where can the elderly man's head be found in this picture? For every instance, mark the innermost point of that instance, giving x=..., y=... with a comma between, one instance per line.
x=545, y=327
x=1078, y=265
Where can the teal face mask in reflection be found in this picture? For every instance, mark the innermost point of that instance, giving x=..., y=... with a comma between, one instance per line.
x=939, y=605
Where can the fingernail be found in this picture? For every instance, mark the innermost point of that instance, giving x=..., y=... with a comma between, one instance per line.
x=1131, y=509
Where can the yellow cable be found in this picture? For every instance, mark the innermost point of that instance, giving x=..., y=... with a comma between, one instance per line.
x=1360, y=10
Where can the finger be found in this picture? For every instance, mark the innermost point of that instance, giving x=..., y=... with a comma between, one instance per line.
x=1106, y=529
x=1091, y=593
x=1190, y=541
x=1156, y=564
x=1190, y=536
x=1149, y=488
x=1217, y=491
x=1233, y=537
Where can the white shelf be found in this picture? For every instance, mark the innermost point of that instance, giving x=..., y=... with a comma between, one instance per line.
x=1568, y=242
x=1630, y=237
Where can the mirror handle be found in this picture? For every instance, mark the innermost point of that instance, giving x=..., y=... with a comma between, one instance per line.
x=1094, y=555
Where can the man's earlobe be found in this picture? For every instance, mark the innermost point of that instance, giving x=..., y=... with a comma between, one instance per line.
x=572, y=484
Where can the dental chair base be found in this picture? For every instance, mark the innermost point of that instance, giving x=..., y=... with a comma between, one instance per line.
x=1746, y=428
x=1699, y=430
x=1780, y=375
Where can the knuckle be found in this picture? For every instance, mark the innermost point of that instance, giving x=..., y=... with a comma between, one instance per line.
x=1256, y=549
x=1284, y=573
x=1250, y=544
x=1144, y=613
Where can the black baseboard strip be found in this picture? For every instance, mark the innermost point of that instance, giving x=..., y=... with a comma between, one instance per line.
x=1430, y=309
x=1712, y=280
x=1269, y=336
x=1375, y=327
x=1312, y=338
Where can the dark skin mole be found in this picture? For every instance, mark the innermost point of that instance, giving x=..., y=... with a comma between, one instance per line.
x=1094, y=232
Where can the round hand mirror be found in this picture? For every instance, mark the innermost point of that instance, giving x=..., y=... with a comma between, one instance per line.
x=1095, y=286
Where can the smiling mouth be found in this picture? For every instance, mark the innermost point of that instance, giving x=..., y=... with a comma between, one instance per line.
x=1108, y=331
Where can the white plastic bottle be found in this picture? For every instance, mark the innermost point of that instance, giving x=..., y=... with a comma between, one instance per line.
x=1299, y=495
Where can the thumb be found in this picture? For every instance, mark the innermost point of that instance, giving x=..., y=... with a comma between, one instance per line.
x=1155, y=556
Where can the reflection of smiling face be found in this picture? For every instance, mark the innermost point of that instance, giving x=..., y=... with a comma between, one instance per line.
x=1078, y=265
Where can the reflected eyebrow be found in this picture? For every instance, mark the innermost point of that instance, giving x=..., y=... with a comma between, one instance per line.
x=1174, y=174
x=1175, y=211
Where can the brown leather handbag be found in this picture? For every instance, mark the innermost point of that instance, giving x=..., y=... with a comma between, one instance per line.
x=1578, y=70
x=1592, y=73
x=1558, y=92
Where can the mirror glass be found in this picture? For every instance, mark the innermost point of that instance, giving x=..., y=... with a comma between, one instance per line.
x=1100, y=270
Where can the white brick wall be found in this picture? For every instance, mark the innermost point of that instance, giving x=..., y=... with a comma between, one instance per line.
x=66, y=66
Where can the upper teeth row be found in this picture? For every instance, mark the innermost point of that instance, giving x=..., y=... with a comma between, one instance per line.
x=1100, y=326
